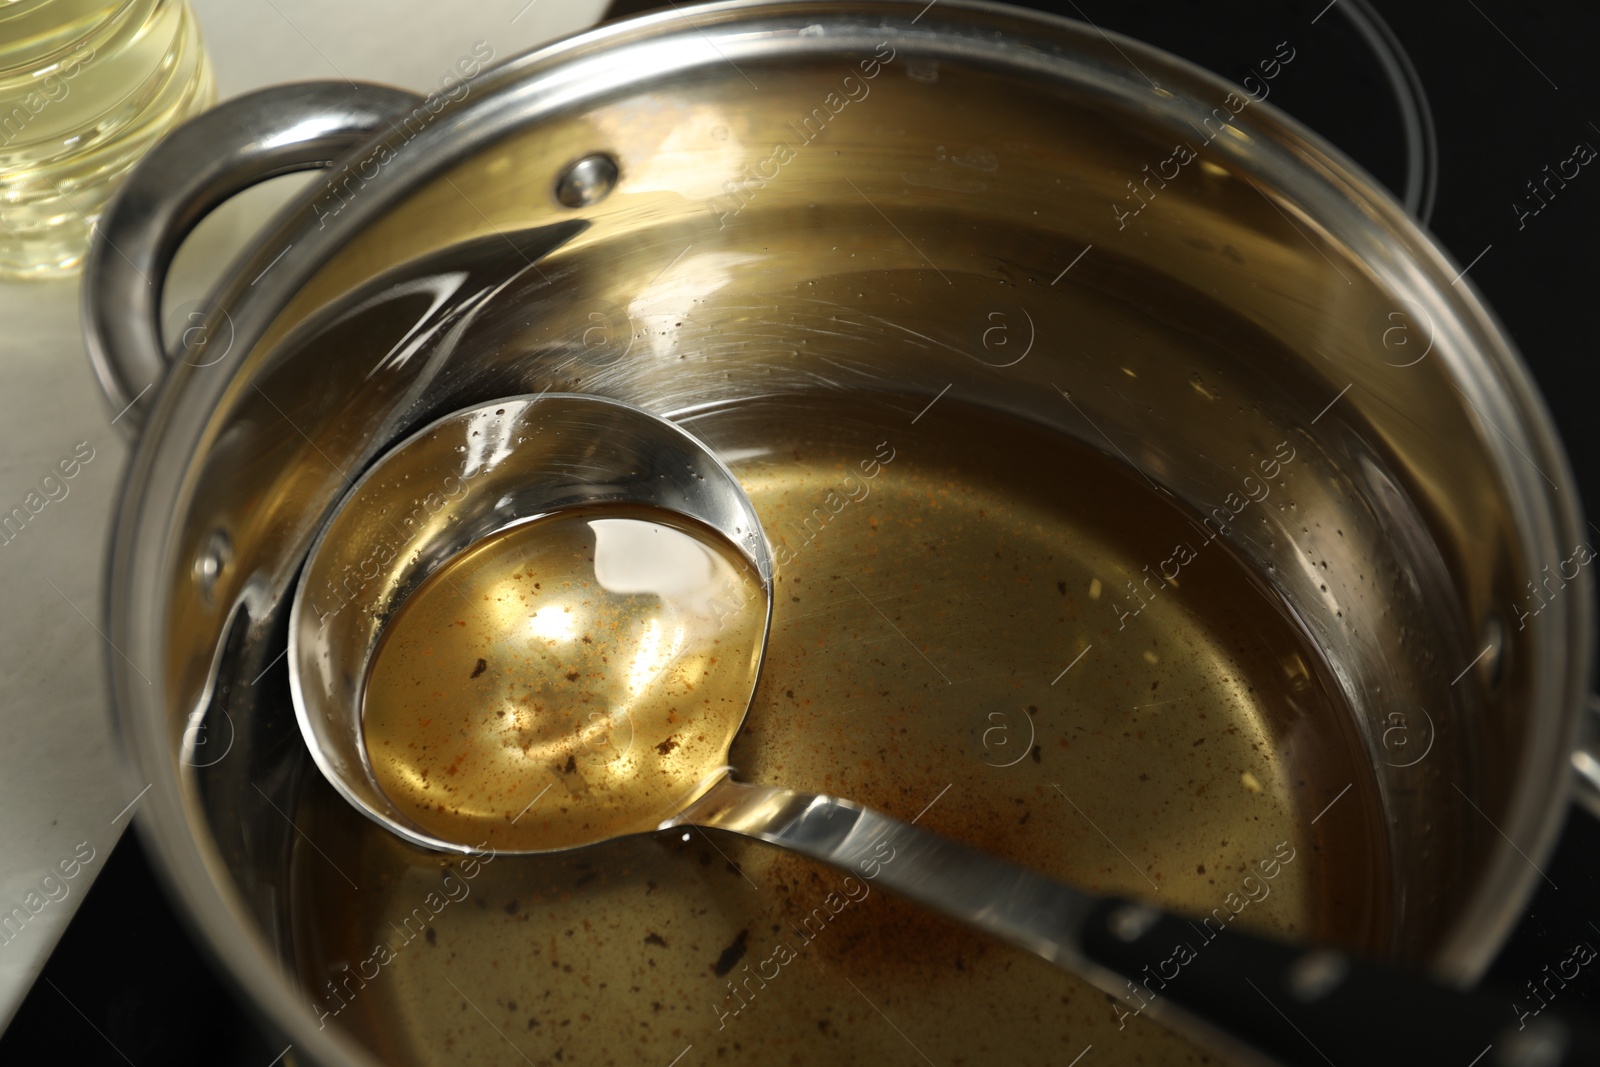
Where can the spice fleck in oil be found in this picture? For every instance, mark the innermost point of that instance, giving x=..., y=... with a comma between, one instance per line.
x=566, y=680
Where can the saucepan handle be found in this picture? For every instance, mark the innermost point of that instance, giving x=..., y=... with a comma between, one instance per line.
x=194, y=169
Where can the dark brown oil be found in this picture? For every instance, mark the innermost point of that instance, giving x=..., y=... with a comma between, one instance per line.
x=566, y=680
x=962, y=630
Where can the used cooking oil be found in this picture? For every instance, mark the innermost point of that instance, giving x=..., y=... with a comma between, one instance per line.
x=965, y=631
x=566, y=680
x=86, y=87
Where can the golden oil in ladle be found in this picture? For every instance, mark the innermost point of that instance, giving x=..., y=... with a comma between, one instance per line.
x=565, y=680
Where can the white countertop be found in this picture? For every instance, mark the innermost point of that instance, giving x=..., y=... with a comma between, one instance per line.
x=64, y=797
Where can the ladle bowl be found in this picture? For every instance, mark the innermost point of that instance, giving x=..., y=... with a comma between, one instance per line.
x=447, y=487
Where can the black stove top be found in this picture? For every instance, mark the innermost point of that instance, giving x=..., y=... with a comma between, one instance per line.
x=1479, y=97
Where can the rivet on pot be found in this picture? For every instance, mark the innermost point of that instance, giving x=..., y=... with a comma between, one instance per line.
x=211, y=562
x=1315, y=974
x=587, y=181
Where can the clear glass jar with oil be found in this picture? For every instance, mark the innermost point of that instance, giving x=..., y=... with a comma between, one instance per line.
x=86, y=87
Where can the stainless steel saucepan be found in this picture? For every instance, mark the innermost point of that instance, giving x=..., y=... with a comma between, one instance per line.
x=947, y=287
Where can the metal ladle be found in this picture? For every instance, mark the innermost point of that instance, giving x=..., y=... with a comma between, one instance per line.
x=478, y=472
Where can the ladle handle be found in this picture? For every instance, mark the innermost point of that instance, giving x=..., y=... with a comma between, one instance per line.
x=223, y=151
x=1245, y=993
x=1318, y=1006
